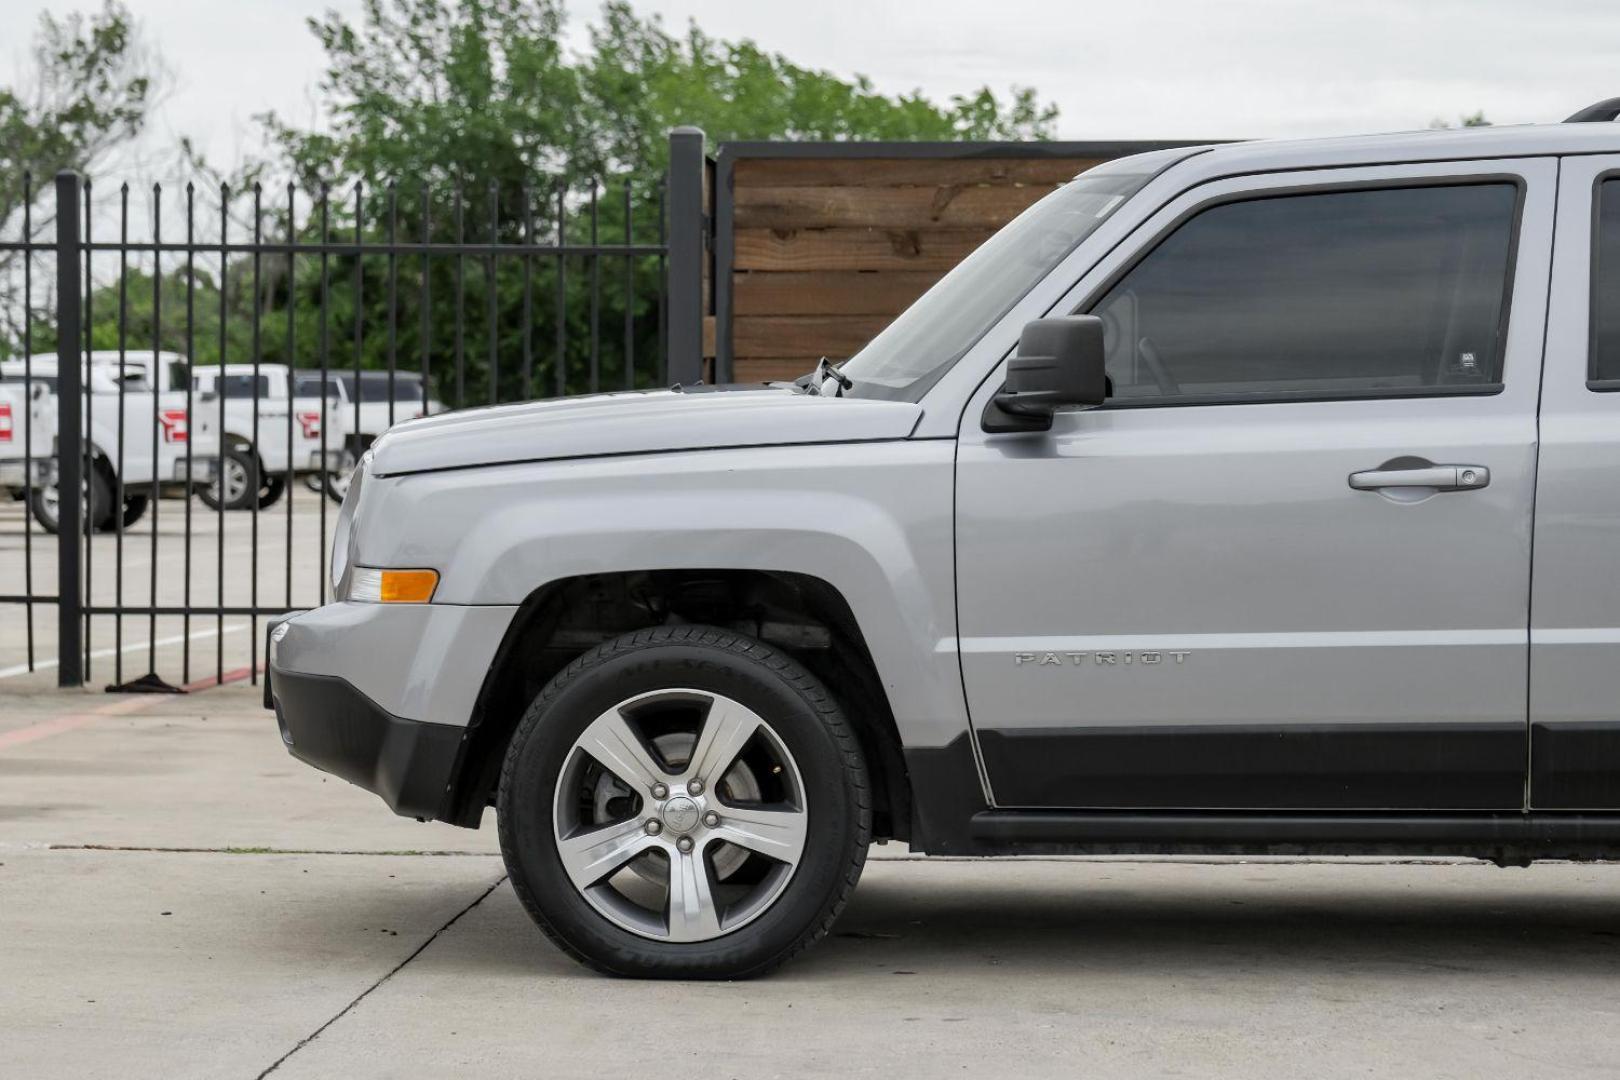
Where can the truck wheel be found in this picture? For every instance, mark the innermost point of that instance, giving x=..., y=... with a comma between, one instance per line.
x=46, y=503
x=134, y=509
x=240, y=479
x=272, y=489
x=684, y=802
x=337, y=481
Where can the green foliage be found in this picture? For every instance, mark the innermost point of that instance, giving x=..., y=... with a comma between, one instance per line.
x=430, y=89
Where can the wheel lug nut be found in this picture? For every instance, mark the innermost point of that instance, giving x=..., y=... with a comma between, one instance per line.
x=654, y=828
x=659, y=791
x=695, y=787
x=684, y=843
x=711, y=819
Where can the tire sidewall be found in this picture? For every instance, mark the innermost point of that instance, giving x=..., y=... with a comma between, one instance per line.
x=97, y=509
x=609, y=677
x=250, y=489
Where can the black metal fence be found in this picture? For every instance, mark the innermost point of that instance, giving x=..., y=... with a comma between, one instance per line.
x=246, y=356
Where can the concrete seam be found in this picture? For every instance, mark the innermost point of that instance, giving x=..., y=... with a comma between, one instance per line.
x=312, y=1036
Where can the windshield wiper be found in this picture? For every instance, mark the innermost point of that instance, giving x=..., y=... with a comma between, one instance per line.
x=826, y=369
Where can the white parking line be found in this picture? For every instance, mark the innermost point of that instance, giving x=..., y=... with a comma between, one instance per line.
x=46, y=665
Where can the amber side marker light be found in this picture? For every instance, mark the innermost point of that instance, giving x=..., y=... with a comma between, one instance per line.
x=375, y=586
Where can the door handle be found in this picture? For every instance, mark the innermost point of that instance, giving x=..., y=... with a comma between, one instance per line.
x=1438, y=477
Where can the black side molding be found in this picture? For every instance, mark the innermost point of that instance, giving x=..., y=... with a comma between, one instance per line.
x=1504, y=837
x=1451, y=767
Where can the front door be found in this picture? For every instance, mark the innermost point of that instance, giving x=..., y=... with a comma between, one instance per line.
x=1287, y=566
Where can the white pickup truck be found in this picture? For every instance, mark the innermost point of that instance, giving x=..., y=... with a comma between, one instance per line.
x=27, y=430
x=137, y=450
x=379, y=410
x=292, y=436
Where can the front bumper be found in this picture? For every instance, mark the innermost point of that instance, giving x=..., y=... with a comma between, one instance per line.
x=381, y=694
x=327, y=723
x=200, y=470
x=22, y=473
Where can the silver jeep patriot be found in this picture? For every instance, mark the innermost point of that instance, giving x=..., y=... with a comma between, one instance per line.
x=1246, y=498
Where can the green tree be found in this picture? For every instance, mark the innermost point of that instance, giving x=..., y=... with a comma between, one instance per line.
x=86, y=91
x=428, y=89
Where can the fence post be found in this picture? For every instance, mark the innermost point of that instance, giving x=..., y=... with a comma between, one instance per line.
x=70, y=435
x=687, y=233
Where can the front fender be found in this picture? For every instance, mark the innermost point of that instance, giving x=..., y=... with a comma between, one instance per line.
x=872, y=520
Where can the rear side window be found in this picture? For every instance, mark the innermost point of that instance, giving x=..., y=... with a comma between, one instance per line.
x=1342, y=294
x=246, y=386
x=310, y=386
x=1603, y=366
x=375, y=388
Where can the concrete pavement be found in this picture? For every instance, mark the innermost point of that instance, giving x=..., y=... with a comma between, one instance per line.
x=155, y=922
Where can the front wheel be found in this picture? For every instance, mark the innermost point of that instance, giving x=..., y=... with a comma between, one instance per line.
x=46, y=503
x=684, y=802
x=272, y=490
x=133, y=510
x=337, y=481
x=237, y=485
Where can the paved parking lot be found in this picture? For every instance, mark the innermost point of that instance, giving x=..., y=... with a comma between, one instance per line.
x=180, y=898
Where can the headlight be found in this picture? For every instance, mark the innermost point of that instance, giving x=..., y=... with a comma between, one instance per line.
x=370, y=585
x=343, y=533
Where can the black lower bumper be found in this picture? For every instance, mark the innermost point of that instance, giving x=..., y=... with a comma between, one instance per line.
x=329, y=724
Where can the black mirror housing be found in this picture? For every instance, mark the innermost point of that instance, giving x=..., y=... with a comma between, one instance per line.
x=1059, y=364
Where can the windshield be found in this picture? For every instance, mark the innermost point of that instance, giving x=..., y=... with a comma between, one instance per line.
x=921, y=345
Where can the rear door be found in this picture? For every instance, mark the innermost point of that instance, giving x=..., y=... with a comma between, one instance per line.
x=1575, y=609
x=1287, y=567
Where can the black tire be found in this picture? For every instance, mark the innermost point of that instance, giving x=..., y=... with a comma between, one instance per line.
x=802, y=714
x=134, y=509
x=272, y=489
x=245, y=465
x=41, y=503
x=336, y=482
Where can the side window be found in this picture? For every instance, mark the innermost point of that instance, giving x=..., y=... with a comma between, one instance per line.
x=1603, y=366
x=1345, y=294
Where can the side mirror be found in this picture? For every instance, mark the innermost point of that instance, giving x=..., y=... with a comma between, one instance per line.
x=1059, y=364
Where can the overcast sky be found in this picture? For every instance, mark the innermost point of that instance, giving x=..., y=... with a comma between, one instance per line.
x=1117, y=69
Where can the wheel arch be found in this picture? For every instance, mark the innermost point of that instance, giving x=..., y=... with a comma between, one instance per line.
x=237, y=441
x=803, y=615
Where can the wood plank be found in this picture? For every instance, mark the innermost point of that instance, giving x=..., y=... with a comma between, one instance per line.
x=881, y=207
x=854, y=249
x=896, y=172
x=774, y=337
x=829, y=292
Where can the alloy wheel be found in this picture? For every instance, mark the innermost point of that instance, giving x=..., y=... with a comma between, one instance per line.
x=680, y=815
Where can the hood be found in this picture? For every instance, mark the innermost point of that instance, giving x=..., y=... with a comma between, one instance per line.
x=649, y=422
